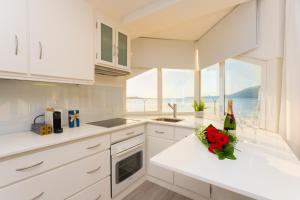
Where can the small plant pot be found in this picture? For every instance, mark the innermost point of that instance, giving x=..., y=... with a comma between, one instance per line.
x=199, y=114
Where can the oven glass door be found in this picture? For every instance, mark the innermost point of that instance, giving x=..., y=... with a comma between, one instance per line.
x=128, y=166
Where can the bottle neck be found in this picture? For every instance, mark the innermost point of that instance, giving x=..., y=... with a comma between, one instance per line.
x=229, y=108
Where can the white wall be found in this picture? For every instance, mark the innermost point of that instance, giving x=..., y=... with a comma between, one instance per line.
x=21, y=101
x=232, y=36
x=150, y=53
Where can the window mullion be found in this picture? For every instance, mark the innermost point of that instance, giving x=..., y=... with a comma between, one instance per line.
x=222, y=89
x=159, y=90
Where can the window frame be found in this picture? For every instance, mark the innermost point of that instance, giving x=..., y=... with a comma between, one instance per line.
x=263, y=64
x=160, y=95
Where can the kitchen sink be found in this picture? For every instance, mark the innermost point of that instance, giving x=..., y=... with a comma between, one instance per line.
x=168, y=119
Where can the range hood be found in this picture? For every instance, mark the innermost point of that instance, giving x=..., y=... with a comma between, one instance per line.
x=109, y=71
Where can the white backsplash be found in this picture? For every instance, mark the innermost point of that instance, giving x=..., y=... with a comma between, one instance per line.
x=21, y=101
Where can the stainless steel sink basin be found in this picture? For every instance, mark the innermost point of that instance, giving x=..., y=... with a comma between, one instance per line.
x=163, y=119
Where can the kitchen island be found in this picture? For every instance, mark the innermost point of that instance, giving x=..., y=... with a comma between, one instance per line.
x=265, y=168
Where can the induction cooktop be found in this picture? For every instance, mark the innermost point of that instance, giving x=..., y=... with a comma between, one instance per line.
x=109, y=123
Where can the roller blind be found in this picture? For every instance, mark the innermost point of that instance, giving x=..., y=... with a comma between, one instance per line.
x=150, y=53
x=235, y=34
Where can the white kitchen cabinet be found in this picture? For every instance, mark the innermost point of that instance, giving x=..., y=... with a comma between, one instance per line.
x=112, y=46
x=61, y=39
x=61, y=182
x=222, y=194
x=28, y=165
x=154, y=146
x=181, y=133
x=193, y=185
x=13, y=36
x=98, y=191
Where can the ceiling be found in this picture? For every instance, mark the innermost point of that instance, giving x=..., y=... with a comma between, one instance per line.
x=167, y=19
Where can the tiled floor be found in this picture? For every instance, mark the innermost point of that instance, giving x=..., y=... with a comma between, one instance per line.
x=151, y=191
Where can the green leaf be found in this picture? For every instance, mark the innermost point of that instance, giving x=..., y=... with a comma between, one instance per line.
x=229, y=149
x=220, y=154
x=231, y=157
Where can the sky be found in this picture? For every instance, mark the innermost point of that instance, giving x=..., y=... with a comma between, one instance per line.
x=176, y=84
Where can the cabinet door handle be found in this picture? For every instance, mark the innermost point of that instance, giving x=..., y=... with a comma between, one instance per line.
x=159, y=132
x=93, y=147
x=29, y=167
x=99, y=197
x=130, y=133
x=41, y=50
x=94, y=170
x=38, y=196
x=17, y=45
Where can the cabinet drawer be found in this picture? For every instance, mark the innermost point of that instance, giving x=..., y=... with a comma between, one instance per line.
x=127, y=133
x=161, y=131
x=100, y=191
x=61, y=182
x=15, y=169
x=193, y=185
x=181, y=133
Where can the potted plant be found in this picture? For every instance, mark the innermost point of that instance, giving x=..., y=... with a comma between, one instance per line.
x=199, y=108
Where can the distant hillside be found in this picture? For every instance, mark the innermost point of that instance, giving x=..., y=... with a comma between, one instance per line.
x=251, y=92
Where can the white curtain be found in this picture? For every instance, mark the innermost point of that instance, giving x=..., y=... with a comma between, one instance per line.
x=290, y=101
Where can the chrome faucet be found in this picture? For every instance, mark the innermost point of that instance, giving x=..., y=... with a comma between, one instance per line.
x=174, y=108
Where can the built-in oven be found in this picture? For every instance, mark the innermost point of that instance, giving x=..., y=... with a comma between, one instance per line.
x=127, y=162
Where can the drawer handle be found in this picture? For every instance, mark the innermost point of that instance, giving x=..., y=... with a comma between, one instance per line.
x=38, y=196
x=99, y=197
x=130, y=133
x=94, y=170
x=29, y=167
x=95, y=146
x=159, y=132
x=17, y=45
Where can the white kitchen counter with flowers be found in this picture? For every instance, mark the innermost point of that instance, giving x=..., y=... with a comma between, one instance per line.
x=265, y=167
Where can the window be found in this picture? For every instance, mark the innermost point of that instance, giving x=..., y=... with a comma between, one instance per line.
x=210, y=91
x=177, y=87
x=142, y=92
x=242, y=85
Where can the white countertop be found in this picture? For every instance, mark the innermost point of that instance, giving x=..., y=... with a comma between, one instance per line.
x=12, y=144
x=265, y=167
x=16, y=143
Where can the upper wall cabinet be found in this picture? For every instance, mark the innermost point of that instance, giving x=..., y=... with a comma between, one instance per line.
x=13, y=36
x=61, y=38
x=58, y=36
x=112, y=47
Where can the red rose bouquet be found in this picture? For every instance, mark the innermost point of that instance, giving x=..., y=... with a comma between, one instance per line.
x=218, y=142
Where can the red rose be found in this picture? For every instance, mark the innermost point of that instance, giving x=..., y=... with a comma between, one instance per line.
x=212, y=129
x=212, y=148
x=212, y=136
x=222, y=139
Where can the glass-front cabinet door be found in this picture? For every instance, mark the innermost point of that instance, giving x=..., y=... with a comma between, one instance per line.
x=122, y=53
x=106, y=43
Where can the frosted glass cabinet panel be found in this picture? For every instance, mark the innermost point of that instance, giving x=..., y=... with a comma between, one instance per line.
x=107, y=43
x=122, y=50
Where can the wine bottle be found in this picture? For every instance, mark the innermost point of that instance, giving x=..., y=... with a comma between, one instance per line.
x=230, y=123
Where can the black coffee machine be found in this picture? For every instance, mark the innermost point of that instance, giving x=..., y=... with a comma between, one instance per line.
x=57, y=122
x=53, y=119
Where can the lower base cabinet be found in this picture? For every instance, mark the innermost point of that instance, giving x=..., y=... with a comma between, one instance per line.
x=192, y=185
x=222, y=194
x=98, y=191
x=154, y=146
x=62, y=182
